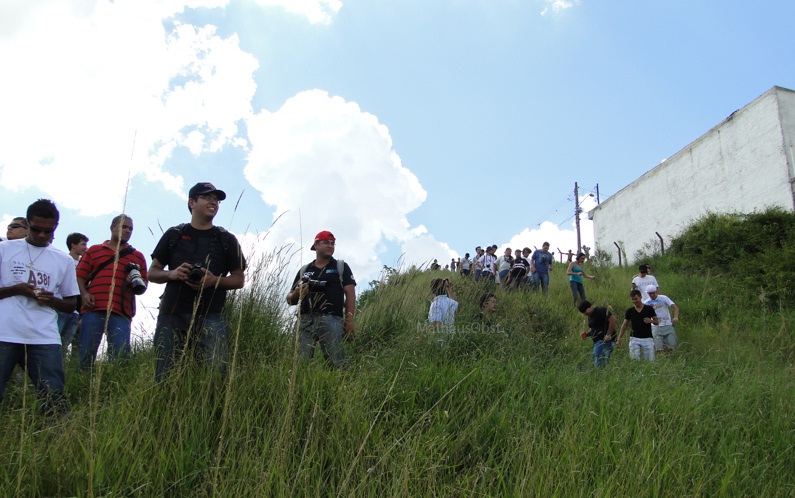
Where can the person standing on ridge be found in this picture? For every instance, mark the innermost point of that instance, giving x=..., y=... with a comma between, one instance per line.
x=204, y=262
x=326, y=291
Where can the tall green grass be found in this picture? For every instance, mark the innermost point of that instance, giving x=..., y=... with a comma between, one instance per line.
x=516, y=411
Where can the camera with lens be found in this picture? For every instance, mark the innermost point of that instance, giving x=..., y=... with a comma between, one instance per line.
x=314, y=285
x=195, y=274
x=136, y=280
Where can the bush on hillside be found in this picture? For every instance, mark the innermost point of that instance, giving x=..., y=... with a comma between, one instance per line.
x=650, y=250
x=601, y=259
x=755, y=250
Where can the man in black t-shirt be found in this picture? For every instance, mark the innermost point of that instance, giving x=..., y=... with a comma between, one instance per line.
x=204, y=262
x=641, y=316
x=327, y=292
x=601, y=325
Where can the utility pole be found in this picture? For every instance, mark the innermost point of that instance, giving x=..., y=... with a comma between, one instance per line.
x=577, y=214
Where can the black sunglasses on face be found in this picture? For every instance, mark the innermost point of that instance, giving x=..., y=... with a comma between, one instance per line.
x=35, y=229
x=15, y=225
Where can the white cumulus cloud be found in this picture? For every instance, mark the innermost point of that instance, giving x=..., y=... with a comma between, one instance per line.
x=90, y=79
x=325, y=164
x=557, y=6
x=315, y=11
x=561, y=239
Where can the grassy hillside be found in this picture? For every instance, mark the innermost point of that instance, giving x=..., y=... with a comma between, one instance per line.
x=516, y=412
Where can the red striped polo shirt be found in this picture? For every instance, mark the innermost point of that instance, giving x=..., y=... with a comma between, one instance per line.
x=100, y=284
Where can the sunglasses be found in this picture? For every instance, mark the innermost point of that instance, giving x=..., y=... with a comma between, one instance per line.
x=210, y=198
x=16, y=225
x=35, y=229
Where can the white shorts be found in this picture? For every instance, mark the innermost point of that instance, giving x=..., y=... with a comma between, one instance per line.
x=641, y=348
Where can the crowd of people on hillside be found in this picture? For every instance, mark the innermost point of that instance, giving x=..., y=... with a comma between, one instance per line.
x=52, y=300
x=520, y=268
x=649, y=322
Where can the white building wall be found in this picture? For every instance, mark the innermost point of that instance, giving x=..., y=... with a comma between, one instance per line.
x=742, y=165
x=787, y=115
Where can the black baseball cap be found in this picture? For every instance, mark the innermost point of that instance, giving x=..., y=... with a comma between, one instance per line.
x=203, y=188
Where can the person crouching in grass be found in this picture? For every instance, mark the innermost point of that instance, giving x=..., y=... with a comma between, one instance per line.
x=444, y=307
x=601, y=325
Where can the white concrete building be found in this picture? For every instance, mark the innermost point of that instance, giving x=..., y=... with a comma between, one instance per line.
x=742, y=165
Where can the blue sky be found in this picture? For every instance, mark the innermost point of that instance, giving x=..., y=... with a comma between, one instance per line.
x=421, y=128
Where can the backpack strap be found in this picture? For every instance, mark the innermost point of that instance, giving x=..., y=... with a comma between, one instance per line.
x=302, y=271
x=101, y=266
x=223, y=234
x=340, y=269
x=176, y=235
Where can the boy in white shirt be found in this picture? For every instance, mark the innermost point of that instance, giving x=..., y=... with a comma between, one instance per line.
x=664, y=333
x=645, y=279
x=32, y=276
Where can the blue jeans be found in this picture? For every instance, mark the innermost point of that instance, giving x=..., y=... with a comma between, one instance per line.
x=503, y=275
x=118, y=334
x=206, y=340
x=577, y=289
x=543, y=279
x=327, y=331
x=44, y=365
x=601, y=353
x=477, y=275
x=67, y=326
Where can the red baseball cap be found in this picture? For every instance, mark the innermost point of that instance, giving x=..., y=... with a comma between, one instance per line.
x=324, y=235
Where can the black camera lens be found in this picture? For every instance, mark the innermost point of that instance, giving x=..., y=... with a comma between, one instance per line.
x=195, y=275
x=314, y=285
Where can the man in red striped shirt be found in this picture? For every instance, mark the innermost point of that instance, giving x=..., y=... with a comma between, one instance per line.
x=105, y=275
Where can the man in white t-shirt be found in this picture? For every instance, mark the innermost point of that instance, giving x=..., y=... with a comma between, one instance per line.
x=663, y=333
x=464, y=265
x=32, y=276
x=487, y=262
x=442, y=312
x=644, y=280
x=476, y=263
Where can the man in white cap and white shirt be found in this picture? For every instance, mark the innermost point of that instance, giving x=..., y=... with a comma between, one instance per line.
x=663, y=333
x=643, y=280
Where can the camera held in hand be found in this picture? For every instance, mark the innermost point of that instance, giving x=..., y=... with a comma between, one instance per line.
x=195, y=274
x=314, y=285
x=136, y=280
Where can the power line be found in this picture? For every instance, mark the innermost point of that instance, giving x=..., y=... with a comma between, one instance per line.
x=554, y=209
x=567, y=219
